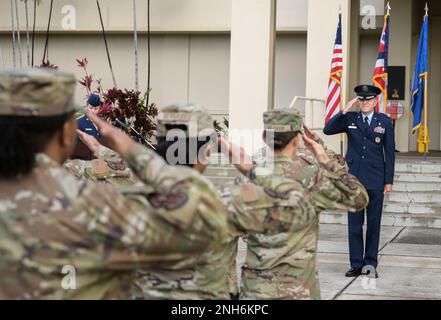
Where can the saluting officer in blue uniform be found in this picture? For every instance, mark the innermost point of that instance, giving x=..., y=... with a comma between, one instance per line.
x=371, y=158
x=84, y=124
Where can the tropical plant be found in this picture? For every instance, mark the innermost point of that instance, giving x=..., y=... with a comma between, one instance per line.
x=48, y=65
x=124, y=108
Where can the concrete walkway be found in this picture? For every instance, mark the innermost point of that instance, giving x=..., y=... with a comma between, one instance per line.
x=409, y=265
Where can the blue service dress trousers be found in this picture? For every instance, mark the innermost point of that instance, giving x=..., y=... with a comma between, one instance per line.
x=355, y=230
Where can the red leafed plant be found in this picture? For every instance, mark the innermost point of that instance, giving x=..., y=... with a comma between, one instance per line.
x=48, y=65
x=123, y=107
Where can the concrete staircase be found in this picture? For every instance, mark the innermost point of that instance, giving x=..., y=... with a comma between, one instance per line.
x=415, y=201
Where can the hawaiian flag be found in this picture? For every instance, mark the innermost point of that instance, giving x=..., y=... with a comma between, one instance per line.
x=380, y=72
x=334, y=87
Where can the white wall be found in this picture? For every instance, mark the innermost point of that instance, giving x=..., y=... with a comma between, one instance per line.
x=183, y=67
x=166, y=15
x=290, y=74
x=190, y=47
x=368, y=56
x=434, y=108
x=209, y=72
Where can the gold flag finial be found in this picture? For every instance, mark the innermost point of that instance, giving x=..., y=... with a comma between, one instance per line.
x=426, y=9
x=388, y=8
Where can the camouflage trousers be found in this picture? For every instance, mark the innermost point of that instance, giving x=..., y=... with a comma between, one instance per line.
x=267, y=284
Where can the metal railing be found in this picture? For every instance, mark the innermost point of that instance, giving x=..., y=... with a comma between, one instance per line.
x=310, y=112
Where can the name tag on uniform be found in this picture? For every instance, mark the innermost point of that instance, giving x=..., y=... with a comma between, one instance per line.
x=88, y=129
x=379, y=130
x=352, y=127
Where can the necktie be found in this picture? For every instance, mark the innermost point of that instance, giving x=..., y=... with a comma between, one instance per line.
x=366, y=123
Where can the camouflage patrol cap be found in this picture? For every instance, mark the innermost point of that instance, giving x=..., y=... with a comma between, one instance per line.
x=197, y=120
x=36, y=92
x=283, y=120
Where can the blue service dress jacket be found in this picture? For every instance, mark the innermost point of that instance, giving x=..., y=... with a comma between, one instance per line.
x=371, y=151
x=85, y=125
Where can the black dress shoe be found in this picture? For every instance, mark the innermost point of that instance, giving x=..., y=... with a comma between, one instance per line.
x=353, y=272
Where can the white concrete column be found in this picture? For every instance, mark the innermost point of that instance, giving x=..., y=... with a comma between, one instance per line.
x=251, y=64
x=400, y=54
x=322, y=27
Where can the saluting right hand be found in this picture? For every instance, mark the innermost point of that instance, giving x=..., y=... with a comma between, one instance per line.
x=89, y=141
x=237, y=155
x=350, y=105
x=311, y=133
x=114, y=138
x=317, y=149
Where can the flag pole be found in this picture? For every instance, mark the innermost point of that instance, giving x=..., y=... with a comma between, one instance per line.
x=426, y=133
x=385, y=97
x=425, y=119
x=342, y=102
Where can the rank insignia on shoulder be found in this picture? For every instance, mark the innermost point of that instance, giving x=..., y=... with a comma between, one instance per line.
x=167, y=200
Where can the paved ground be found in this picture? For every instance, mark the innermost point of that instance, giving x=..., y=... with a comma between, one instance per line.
x=409, y=265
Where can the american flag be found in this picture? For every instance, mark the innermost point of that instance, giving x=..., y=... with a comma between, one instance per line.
x=380, y=72
x=334, y=86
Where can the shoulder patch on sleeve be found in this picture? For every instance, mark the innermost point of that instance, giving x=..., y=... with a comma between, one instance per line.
x=117, y=166
x=168, y=200
x=249, y=192
x=276, y=194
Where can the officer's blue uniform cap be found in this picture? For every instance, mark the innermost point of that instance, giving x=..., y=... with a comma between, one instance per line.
x=94, y=100
x=367, y=92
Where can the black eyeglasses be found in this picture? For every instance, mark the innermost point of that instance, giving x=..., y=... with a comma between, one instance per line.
x=366, y=98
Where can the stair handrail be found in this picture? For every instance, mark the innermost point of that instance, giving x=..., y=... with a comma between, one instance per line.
x=311, y=103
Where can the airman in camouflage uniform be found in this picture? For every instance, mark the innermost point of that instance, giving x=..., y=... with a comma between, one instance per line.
x=250, y=209
x=283, y=266
x=49, y=220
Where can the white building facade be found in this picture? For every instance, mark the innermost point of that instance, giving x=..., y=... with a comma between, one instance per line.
x=238, y=57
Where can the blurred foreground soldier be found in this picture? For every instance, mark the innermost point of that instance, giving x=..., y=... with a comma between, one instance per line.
x=283, y=266
x=185, y=137
x=371, y=158
x=188, y=148
x=60, y=238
